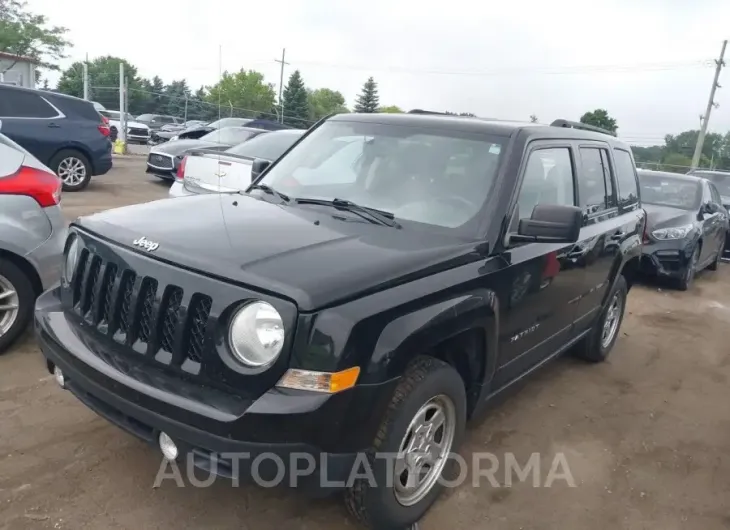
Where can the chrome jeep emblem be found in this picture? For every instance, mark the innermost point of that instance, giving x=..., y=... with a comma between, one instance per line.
x=143, y=242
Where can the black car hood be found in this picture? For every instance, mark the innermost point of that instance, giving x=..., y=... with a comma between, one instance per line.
x=280, y=249
x=197, y=131
x=666, y=216
x=179, y=147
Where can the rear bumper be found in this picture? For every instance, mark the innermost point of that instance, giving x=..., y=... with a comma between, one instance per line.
x=103, y=163
x=179, y=190
x=286, y=428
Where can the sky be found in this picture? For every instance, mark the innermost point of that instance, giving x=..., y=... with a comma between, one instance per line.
x=650, y=63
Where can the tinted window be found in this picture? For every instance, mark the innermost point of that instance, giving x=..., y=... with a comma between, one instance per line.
x=625, y=177
x=269, y=146
x=165, y=119
x=76, y=107
x=229, y=122
x=405, y=170
x=594, y=186
x=21, y=104
x=229, y=135
x=145, y=117
x=721, y=181
x=671, y=191
x=548, y=180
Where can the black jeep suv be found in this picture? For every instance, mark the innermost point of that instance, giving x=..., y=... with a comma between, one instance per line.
x=370, y=292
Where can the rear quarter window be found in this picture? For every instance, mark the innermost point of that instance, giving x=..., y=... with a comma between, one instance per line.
x=75, y=108
x=628, y=190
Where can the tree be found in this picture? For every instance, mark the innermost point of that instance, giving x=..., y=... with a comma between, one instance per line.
x=533, y=118
x=245, y=91
x=368, y=100
x=391, y=109
x=600, y=118
x=104, y=83
x=324, y=101
x=28, y=35
x=175, y=95
x=296, y=102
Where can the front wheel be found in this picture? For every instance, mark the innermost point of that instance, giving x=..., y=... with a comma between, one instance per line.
x=716, y=262
x=412, y=450
x=688, y=277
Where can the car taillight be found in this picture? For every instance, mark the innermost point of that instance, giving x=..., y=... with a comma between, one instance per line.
x=104, y=126
x=41, y=185
x=181, y=169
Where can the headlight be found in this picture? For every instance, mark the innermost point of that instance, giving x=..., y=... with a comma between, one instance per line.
x=72, y=258
x=679, y=232
x=257, y=334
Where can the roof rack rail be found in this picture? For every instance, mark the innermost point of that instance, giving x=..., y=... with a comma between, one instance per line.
x=582, y=126
x=421, y=111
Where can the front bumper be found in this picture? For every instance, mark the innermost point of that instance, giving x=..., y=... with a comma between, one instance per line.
x=667, y=259
x=283, y=426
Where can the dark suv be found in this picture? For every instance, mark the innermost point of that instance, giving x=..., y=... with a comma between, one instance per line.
x=370, y=291
x=65, y=133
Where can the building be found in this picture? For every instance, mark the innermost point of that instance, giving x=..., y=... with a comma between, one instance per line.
x=17, y=70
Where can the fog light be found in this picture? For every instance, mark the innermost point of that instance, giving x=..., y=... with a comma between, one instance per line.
x=58, y=375
x=168, y=447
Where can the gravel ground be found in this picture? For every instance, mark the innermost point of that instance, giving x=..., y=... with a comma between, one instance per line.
x=645, y=435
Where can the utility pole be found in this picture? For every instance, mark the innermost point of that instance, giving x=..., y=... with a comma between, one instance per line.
x=86, y=78
x=281, y=83
x=186, y=108
x=711, y=103
x=122, y=134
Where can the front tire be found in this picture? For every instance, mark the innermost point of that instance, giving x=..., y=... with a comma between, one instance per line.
x=685, y=282
x=599, y=342
x=73, y=168
x=17, y=298
x=423, y=424
x=716, y=262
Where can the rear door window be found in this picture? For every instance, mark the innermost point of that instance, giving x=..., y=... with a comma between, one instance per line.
x=22, y=104
x=595, y=186
x=628, y=193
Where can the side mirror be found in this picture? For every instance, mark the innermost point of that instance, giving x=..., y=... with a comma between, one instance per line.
x=550, y=223
x=1, y=125
x=710, y=208
x=259, y=166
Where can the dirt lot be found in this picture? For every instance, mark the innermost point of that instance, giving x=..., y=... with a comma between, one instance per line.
x=646, y=436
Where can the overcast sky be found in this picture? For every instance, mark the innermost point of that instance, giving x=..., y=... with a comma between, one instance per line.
x=555, y=58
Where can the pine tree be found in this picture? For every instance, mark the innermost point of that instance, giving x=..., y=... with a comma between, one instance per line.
x=296, y=103
x=368, y=100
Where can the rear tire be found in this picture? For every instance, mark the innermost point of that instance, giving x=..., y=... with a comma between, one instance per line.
x=599, y=342
x=389, y=505
x=15, y=290
x=73, y=168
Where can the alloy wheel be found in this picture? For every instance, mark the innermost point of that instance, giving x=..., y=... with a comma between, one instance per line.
x=9, y=304
x=611, y=322
x=424, y=450
x=72, y=171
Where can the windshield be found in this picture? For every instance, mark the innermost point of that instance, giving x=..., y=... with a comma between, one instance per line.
x=229, y=135
x=269, y=146
x=430, y=176
x=721, y=181
x=668, y=191
x=229, y=122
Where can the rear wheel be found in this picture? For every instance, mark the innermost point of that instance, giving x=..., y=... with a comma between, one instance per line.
x=424, y=423
x=16, y=303
x=599, y=342
x=73, y=168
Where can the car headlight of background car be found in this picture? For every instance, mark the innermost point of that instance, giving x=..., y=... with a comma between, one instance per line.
x=678, y=232
x=256, y=335
x=72, y=257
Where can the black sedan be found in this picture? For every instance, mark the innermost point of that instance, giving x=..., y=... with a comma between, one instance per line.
x=721, y=180
x=164, y=159
x=686, y=225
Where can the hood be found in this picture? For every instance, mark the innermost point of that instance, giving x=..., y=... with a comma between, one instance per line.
x=666, y=216
x=279, y=249
x=179, y=147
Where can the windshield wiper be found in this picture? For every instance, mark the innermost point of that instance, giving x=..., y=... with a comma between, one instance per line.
x=371, y=214
x=268, y=189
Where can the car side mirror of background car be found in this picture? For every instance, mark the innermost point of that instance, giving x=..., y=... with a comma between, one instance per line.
x=550, y=223
x=710, y=208
x=259, y=166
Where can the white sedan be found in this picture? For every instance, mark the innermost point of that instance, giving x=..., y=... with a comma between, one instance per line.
x=136, y=131
x=230, y=170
